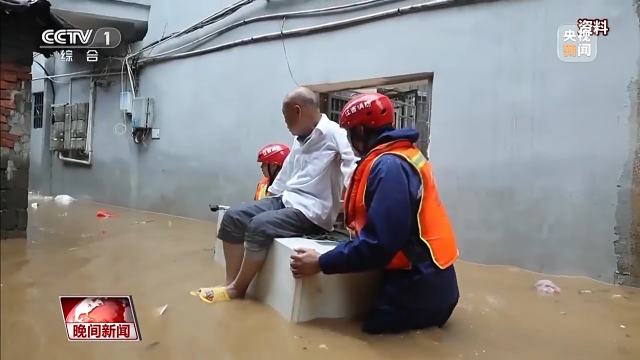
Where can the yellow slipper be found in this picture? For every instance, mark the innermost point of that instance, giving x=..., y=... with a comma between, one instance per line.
x=197, y=292
x=214, y=294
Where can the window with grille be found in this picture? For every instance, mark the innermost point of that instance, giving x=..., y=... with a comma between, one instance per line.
x=38, y=109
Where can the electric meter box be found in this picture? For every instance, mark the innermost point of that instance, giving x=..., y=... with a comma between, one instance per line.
x=126, y=101
x=142, y=113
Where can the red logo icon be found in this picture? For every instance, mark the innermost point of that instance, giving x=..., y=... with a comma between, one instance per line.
x=100, y=318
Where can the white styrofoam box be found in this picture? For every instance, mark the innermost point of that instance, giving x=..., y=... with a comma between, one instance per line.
x=319, y=296
x=218, y=256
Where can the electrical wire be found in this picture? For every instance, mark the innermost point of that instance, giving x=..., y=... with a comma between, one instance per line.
x=310, y=30
x=291, y=14
x=286, y=57
x=212, y=19
x=224, y=13
x=139, y=135
x=48, y=77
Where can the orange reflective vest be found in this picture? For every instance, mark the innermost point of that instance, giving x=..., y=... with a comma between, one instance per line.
x=261, y=190
x=435, y=229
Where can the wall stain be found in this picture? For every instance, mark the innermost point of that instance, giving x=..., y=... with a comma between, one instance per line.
x=627, y=247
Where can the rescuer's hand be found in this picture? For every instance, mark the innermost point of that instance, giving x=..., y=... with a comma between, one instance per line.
x=305, y=262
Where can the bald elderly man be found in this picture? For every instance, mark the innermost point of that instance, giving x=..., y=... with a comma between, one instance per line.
x=304, y=199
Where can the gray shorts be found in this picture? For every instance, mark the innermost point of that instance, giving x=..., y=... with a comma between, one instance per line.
x=258, y=223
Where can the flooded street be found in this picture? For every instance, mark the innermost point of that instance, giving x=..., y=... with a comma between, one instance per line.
x=159, y=259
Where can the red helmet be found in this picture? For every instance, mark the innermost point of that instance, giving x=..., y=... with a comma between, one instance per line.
x=273, y=154
x=370, y=110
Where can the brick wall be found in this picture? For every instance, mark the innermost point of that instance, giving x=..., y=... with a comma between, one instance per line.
x=15, y=128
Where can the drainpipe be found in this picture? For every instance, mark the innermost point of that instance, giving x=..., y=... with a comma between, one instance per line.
x=88, y=147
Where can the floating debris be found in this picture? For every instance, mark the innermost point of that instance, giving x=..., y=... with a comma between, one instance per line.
x=162, y=309
x=585, y=292
x=64, y=199
x=63, y=214
x=34, y=205
x=104, y=214
x=73, y=248
x=615, y=296
x=141, y=222
x=324, y=347
x=169, y=223
x=152, y=345
x=547, y=287
x=623, y=327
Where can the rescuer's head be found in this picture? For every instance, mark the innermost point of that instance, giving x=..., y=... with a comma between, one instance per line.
x=271, y=159
x=366, y=117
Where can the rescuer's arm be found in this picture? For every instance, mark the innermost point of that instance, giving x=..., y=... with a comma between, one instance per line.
x=391, y=216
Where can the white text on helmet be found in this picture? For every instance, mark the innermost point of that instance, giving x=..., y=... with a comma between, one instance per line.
x=363, y=105
x=271, y=149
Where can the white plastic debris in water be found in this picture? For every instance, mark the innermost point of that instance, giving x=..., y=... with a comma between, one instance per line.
x=547, y=287
x=63, y=199
x=161, y=310
x=34, y=205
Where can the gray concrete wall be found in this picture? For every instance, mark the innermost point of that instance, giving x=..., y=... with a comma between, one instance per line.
x=533, y=156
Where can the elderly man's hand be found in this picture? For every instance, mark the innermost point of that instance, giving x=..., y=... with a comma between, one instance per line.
x=305, y=262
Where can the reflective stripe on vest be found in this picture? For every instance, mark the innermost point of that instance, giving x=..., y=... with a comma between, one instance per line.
x=434, y=227
x=261, y=190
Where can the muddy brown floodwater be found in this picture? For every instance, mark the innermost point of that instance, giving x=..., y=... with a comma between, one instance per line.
x=159, y=259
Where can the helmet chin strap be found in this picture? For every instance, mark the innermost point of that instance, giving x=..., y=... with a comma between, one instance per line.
x=368, y=138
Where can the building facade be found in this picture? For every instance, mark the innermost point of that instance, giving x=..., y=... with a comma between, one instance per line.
x=536, y=159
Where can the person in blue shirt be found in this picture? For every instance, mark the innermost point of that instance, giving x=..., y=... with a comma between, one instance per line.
x=398, y=222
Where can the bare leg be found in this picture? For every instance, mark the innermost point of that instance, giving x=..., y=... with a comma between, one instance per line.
x=250, y=268
x=261, y=232
x=232, y=232
x=233, y=255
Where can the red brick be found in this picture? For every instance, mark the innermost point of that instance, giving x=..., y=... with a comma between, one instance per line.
x=5, y=85
x=7, y=143
x=5, y=112
x=9, y=76
x=3, y=119
x=14, y=67
x=4, y=127
x=9, y=104
x=24, y=76
x=5, y=95
x=9, y=136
